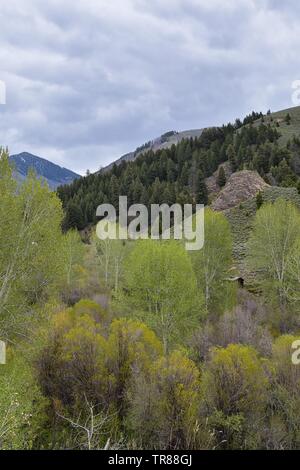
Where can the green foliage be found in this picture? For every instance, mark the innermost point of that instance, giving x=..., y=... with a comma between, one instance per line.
x=110, y=256
x=160, y=288
x=85, y=361
x=221, y=179
x=284, y=174
x=177, y=174
x=21, y=404
x=74, y=217
x=30, y=246
x=169, y=174
x=275, y=231
x=235, y=394
x=92, y=309
x=284, y=399
x=201, y=189
x=72, y=253
x=165, y=405
x=259, y=200
x=231, y=155
x=293, y=273
x=212, y=263
x=95, y=380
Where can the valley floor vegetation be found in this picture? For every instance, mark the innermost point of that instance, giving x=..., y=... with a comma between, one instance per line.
x=141, y=344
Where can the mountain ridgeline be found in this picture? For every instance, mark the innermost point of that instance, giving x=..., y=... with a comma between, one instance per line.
x=163, y=142
x=180, y=172
x=53, y=174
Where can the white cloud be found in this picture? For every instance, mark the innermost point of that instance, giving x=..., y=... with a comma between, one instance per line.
x=92, y=79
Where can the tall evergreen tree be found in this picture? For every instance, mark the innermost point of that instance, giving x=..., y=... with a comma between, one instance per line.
x=171, y=171
x=156, y=192
x=114, y=191
x=74, y=217
x=201, y=191
x=231, y=155
x=184, y=177
x=221, y=180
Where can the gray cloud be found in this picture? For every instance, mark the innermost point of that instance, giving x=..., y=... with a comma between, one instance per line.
x=89, y=80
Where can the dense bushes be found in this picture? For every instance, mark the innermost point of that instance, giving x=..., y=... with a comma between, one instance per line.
x=234, y=398
x=164, y=411
x=235, y=395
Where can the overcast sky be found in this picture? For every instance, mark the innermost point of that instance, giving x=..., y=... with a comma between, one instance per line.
x=89, y=80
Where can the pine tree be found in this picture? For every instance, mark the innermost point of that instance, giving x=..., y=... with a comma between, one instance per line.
x=144, y=174
x=180, y=154
x=127, y=181
x=184, y=177
x=241, y=156
x=114, y=191
x=285, y=175
x=288, y=119
x=188, y=152
x=168, y=197
x=137, y=191
x=231, y=155
x=74, y=217
x=259, y=200
x=156, y=192
x=171, y=171
x=145, y=197
x=201, y=189
x=221, y=180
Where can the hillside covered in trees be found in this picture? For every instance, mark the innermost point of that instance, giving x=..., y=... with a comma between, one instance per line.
x=180, y=173
x=116, y=344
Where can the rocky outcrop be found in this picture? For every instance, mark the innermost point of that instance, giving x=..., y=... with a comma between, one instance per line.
x=241, y=186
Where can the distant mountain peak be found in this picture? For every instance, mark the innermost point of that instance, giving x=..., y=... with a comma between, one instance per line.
x=53, y=174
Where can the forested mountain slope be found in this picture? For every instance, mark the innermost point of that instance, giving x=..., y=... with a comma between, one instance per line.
x=183, y=173
x=163, y=142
